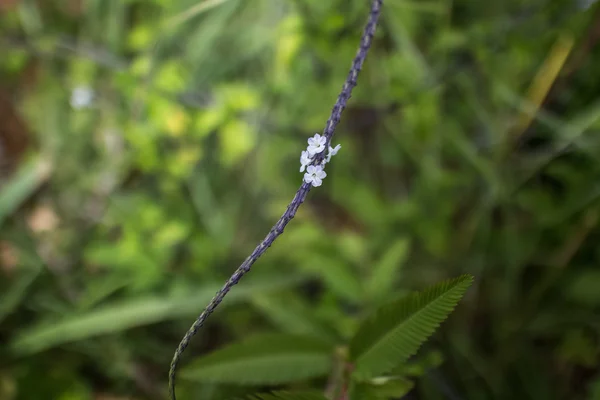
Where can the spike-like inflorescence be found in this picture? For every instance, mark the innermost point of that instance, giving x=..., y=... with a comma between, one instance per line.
x=313, y=160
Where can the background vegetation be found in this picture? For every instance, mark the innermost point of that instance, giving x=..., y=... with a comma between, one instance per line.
x=147, y=146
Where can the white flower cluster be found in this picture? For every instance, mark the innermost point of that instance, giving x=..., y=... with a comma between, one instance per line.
x=315, y=173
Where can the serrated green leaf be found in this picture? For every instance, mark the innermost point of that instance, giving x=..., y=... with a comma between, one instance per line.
x=288, y=396
x=397, y=330
x=264, y=359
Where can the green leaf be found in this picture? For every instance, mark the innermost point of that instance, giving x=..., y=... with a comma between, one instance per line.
x=264, y=359
x=237, y=140
x=288, y=396
x=192, y=12
x=583, y=288
x=127, y=314
x=17, y=291
x=594, y=388
x=337, y=275
x=419, y=365
x=27, y=179
x=397, y=330
x=292, y=315
x=386, y=271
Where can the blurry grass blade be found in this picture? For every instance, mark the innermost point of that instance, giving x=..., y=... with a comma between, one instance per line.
x=292, y=315
x=212, y=216
x=336, y=274
x=582, y=122
x=397, y=330
x=386, y=271
x=115, y=25
x=29, y=266
x=583, y=288
x=569, y=133
x=398, y=20
x=433, y=7
x=99, y=289
x=193, y=11
x=487, y=137
x=525, y=106
x=11, y=298
x=263, y=360
x=22, y=185
x=474, y=361
x=116, y=317
x=545, y=78
x=469, y=153
x=126, y=314
x=31, y=19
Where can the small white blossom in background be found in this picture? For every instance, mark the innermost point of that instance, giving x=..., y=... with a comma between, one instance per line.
x=314, y=175
x=305, y=160
x=316, y=144
x=81, y=97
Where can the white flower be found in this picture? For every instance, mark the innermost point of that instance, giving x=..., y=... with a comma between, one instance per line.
x=332, y=152
x=81, y=97
x=305, y=159
x=314, y=175
x=316, y=144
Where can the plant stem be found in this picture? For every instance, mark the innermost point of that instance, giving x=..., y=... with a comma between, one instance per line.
x=290, y=212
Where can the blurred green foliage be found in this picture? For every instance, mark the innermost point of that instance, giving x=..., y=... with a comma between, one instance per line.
x=462, y=152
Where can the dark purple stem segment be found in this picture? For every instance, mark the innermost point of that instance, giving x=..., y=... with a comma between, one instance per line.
x=290, y=212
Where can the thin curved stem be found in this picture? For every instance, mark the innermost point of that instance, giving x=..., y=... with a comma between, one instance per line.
x=290, y=212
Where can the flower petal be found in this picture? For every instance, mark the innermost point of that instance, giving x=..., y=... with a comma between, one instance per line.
x=305, y=158
x=334, y=150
